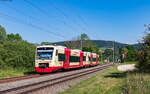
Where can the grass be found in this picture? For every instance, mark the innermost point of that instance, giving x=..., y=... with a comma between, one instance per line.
x=101, y=62
x=129, y=62
x=108, y=82
x=137, y=83
x=11, y=72
x=112, y=81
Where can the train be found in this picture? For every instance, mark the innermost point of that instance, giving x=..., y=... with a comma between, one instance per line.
x=49, y=58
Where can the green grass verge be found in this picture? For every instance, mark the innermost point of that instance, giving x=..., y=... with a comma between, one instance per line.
x=11, y=72
x=112, y=81
x=108, y=82
x=129, y=63
x=137, y=83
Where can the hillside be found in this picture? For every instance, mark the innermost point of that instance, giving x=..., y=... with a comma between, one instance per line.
x=105, y=44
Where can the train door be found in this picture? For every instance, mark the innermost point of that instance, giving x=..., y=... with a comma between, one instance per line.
x=91, y=59
x=81, y=59
x=96, y=59
x=67, y=58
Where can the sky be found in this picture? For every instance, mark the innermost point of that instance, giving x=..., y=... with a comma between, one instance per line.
x=60, y=20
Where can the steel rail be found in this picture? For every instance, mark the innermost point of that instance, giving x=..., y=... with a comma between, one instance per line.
x=50, y=82
x=14, y=79
x=67, y=79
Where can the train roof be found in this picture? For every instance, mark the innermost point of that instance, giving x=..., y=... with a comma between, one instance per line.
x=76, y=50
x=45, y=46
x=94, y=53
x=62, y=47
x=51, y=46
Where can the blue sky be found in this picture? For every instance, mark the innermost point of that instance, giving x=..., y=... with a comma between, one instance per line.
x=59, y=20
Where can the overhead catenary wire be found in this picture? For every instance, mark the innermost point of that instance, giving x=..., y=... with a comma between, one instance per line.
x=47, y=14
x=82, y=20
x=30, y=24
x=85, y=24
x=84, y=28
x=38, y=8
x=31, y=17
x=66, y=16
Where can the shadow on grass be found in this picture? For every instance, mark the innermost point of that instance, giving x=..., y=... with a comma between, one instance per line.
x=30, y=73
x=116, y=75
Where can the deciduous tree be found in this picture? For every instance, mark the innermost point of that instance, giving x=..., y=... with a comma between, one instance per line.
x=3, y=35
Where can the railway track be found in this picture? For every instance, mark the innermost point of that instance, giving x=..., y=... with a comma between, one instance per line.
x=47, y=83
x=13, y=79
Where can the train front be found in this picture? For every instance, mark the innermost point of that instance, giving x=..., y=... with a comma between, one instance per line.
x=43, y=59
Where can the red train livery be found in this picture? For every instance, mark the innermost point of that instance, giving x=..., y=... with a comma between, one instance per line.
x=51, y=58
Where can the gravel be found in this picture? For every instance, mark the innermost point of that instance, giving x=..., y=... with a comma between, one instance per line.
x=65, y=85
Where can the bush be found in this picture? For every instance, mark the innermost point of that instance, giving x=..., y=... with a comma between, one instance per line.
x=144, y=55
x=18, y=54
x=15, y=52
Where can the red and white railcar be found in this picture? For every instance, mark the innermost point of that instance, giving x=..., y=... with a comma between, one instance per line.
x=50, y=58
x=94, y=59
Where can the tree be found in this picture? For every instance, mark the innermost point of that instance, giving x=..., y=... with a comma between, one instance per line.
x=15, y=52
x=75, y=43
x=85, y=37
x=123, y=53
x=14, y=37
x=87, y=49
x=46, y=43
x=86, y=42
x=2, y=51
x=144, y=54
x=19, y=54
x=3, y=35
x=131, y=55
x=108, y=54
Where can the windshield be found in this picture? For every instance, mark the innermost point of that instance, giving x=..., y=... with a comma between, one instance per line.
x=44, y=54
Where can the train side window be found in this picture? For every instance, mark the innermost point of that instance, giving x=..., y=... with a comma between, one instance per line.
x=56, y=52
x=61, y=57
x=74, y=59
x=84, y=58
x=89, y=58
x=94, y=59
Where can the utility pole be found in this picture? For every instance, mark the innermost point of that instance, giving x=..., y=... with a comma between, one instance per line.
x=81, y=42
x=113, y=51
x=101, y=55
